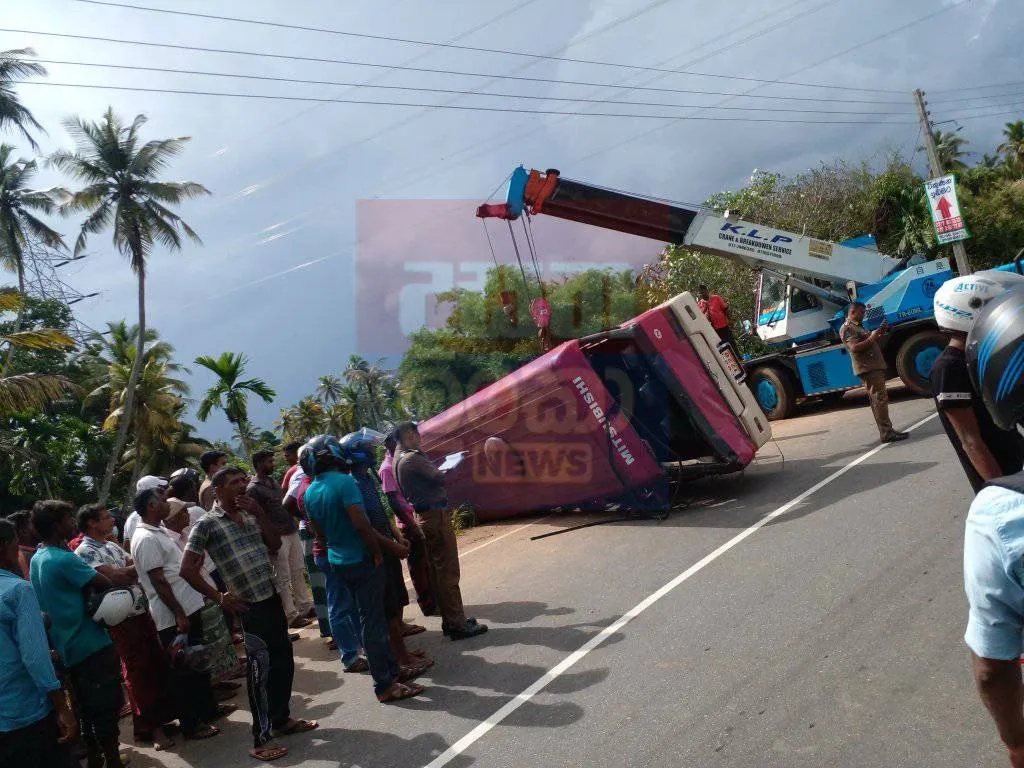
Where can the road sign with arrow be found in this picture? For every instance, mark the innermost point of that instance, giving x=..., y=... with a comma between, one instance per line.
x=949, y=224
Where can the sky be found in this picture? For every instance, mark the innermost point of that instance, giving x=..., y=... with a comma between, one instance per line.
x=330, y=224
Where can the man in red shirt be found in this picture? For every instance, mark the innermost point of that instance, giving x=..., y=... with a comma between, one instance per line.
x=716, y=310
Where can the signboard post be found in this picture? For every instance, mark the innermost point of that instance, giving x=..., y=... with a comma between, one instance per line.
x=945, y=208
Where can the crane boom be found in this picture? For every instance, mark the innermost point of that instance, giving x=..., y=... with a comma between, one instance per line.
x=752, y=244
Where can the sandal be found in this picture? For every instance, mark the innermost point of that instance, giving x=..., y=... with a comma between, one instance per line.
x=268, y=751
x=199, y=734
x=359, y=665
x=412, y=629
x=411, y=672
x=226, y=685
x=296, y=726
x=223, y=710
x=399, y=691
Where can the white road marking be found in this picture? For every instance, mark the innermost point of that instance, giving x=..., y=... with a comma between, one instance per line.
x=569, y=661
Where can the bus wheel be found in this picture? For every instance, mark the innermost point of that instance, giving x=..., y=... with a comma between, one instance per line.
x=774, y=391
x=915, y=359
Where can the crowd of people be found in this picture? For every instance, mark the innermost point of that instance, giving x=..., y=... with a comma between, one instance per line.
x=161, y=614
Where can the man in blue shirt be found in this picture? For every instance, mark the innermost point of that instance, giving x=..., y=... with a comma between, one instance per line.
x=35, y=720
x=994, y=534
x=334, y=506
x=59, y=577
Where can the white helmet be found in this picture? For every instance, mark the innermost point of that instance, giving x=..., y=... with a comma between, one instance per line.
x=113, y=606
x=959, y=301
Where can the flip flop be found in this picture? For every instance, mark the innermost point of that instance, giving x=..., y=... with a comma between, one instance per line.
x=200, y=735
x=412, y=672
x=225, y=685
x=223, y=710
x=268, y=752
x=412, y=629
x=297, y=726
x=359, y=665
x=400, y=691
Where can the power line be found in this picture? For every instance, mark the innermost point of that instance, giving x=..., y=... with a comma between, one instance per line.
x=476, y=49
x=462, y=107
x=398, y=67
x=818, y=63
x=976, y=98
x=573, y=99
x=979, y=87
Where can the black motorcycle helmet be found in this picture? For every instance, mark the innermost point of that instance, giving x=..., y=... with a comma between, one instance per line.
x=995, y=358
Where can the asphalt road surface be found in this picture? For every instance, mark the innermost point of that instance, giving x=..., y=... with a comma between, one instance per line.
x=807, y=613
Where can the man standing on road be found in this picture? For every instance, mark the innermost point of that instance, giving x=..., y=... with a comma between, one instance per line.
x=334, y=507
x=58, y=577
x=994, y=533
x=423, y=484
x=35, y=720
x=176, y=609
x=289, y=569
x=212, y=462
x=233, y=536
x=716, y=310
x=419, y=570
x=984, y=450
x=869, y=364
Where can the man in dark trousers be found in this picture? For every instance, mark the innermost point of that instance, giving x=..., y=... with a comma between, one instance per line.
x=869, y=364
x=58, y=577
x=423, y=485
x=235, y=534
x=984, y=450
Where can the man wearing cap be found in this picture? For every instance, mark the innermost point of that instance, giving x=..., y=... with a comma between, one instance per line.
x=423, y=484
x=144, y=483
x=289, y=568
x=869, y=364
x=176, y=609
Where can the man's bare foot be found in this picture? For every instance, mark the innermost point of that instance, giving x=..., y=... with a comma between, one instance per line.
x=161, y=740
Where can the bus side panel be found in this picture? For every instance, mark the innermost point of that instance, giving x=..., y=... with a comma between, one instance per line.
x=539, y=438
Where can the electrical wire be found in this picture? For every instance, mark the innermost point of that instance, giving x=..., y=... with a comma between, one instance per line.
x=830, y=57
x=979, y=87
x=395, y=67
x=467, y=92
x=1010, y=95
x=460, y=107
x=476, y=49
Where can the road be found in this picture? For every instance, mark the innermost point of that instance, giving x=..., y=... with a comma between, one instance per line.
x=829, y=635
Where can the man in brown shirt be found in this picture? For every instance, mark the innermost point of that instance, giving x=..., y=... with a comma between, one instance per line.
x=422, y=484
x=869, y=364
x=289, y=565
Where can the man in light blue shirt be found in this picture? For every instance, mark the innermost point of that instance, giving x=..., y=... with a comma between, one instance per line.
x=994, y=533
x=35, y=720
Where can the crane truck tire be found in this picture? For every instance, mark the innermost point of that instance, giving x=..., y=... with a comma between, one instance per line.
x=915, y=358
x=774, y=390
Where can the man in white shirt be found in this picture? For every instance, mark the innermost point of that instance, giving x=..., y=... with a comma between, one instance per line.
x=175, y=607
x=131, y=523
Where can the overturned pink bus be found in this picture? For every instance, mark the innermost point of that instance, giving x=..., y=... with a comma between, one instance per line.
x=611, y=417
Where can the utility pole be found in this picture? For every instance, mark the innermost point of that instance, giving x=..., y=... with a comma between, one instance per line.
x=936, y=170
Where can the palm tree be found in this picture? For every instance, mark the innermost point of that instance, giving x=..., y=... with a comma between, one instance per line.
x=329, y=389
x=1012, y=146
x=340, y=418
x=230, y=393
x=17, y=223
x=123, y=191
x=949, y=146
x=158, y=396
x=302, y=420
x=371, y=377
x=14, y=67
x=30, y=391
